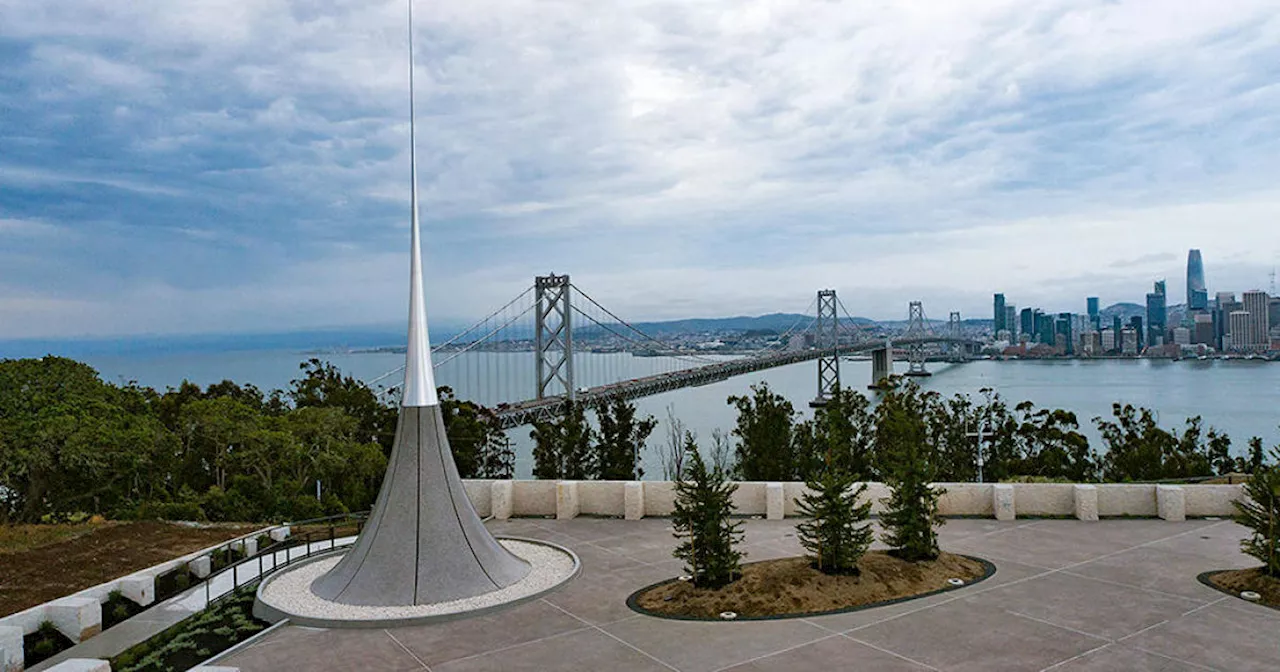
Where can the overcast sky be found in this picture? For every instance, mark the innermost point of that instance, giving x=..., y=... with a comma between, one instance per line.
x=228, y=165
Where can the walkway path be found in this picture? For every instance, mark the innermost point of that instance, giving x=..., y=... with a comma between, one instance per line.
x=1068, y=596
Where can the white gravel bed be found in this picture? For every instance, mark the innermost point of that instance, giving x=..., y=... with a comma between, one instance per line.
x=290, y=591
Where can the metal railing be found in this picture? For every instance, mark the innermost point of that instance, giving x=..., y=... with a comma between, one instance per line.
x=295, y=548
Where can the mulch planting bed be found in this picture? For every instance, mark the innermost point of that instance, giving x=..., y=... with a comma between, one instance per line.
x=790, y=587
x=1234, y=582
x=108, y=551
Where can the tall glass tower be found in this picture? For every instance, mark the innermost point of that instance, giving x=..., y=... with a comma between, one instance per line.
x=1197, y=295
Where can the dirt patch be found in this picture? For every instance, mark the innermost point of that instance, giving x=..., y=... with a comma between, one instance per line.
x=1237, y=581
x=791, y=587
x=92, y=556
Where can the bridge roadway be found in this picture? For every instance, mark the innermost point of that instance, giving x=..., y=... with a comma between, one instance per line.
x=547, y=408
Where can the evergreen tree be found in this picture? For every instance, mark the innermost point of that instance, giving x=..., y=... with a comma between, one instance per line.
x=622, y=438
x=764, y=432
x=704, y=502
x=480, y=446
x=911, y=514
x=842, y=435
x=1260, y=512
x=563, y=446
x=837, y=533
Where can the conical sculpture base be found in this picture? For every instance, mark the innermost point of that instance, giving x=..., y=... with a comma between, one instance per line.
x=423, y=542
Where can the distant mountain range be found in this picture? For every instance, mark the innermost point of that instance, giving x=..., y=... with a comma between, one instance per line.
x=377, y=336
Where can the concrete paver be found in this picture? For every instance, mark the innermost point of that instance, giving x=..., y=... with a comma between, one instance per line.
x=1068, y=596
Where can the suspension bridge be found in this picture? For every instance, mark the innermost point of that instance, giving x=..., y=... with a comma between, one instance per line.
x=554, y=343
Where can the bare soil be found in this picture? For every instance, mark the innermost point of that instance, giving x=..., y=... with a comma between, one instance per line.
x=1240, y=580
x=790, y=586
x=91, y=554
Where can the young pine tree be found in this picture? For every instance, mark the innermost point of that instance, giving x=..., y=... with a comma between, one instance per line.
x=701, y=521
x=837, y=533
x=1260, y=512
x=912, y=506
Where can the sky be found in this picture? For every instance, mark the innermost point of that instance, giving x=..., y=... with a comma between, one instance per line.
x=213, y=166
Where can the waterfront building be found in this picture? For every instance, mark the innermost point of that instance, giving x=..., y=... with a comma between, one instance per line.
x=1108, y=338
x=1062, y=328
x=1129, y=341
x=1156, y=314
x=1116, y=326
x=1027, y=322
x=1224, y=304
x=1011, y=322
x=1044, y=327
x=1094, y=316
x=1239, y=324
x=998, y=313
x=1135, y=323
x=1182, y=336
x=1204, y=332
x=1273, y=313
x=1257, y=304
x=1197, y=295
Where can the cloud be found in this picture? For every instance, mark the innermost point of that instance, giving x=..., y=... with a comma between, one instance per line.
x=250, y=156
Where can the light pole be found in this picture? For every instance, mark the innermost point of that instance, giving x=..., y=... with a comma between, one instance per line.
x=983, y=430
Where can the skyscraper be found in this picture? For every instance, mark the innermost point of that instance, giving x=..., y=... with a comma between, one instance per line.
x=1093, y=312
x=1156, y=314
x=1027, y=326
x=1011, y=322
x=1224, y=304
x=1197, y=295
x=998, y=324
x=1258, y=305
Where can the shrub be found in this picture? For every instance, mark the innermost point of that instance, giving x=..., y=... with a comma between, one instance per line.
x=838, y=531
x=170, y=511
x=701, y=519
x=1260, y=512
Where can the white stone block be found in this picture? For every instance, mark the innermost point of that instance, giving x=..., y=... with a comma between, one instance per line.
x=1002, y=501
x=1171, y=502
x=567, y=504
x=202, y=566
x=279, y=534
x=659, y=498
x=246, y=546
x=774, y=501
x=10, y=648
x=602, y=498
x=81, y=665
x=79, y=618
x=633, y=500
x=533, y=498
x=1086, y=502
x=501, y=499
x=139, y=589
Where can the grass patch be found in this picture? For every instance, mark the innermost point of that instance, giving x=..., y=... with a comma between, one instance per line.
x=19, y=538
x=196, y=639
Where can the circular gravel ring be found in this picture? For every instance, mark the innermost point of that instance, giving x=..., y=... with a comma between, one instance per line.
x=633, y=600
x=1205, y=577
x=412, y=615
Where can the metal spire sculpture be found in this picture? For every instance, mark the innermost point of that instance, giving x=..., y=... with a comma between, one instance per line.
x=424, y=542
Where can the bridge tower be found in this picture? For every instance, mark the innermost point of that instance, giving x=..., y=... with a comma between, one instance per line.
x=827, y=328
x=955, y=333
x=553, y=336
x=917, y=330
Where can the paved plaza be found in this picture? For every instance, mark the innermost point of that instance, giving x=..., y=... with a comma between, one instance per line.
x=1067, y=596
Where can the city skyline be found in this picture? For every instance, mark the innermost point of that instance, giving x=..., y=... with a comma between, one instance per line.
x=229, y=166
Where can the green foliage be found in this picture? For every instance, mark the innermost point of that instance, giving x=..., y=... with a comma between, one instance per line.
x=911, y=515
x=563, y=447
x=480, y=447
x=703, y=506
x=837, y=532
x=839, y=436
x=1260, y=512
x=765, y=448
x=194, y=640
x=1140, y=450
x=622, y=437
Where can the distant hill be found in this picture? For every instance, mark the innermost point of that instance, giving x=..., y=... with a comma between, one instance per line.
x=1124, y=310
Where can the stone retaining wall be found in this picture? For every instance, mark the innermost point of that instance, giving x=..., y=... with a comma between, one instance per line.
x=637, y=499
